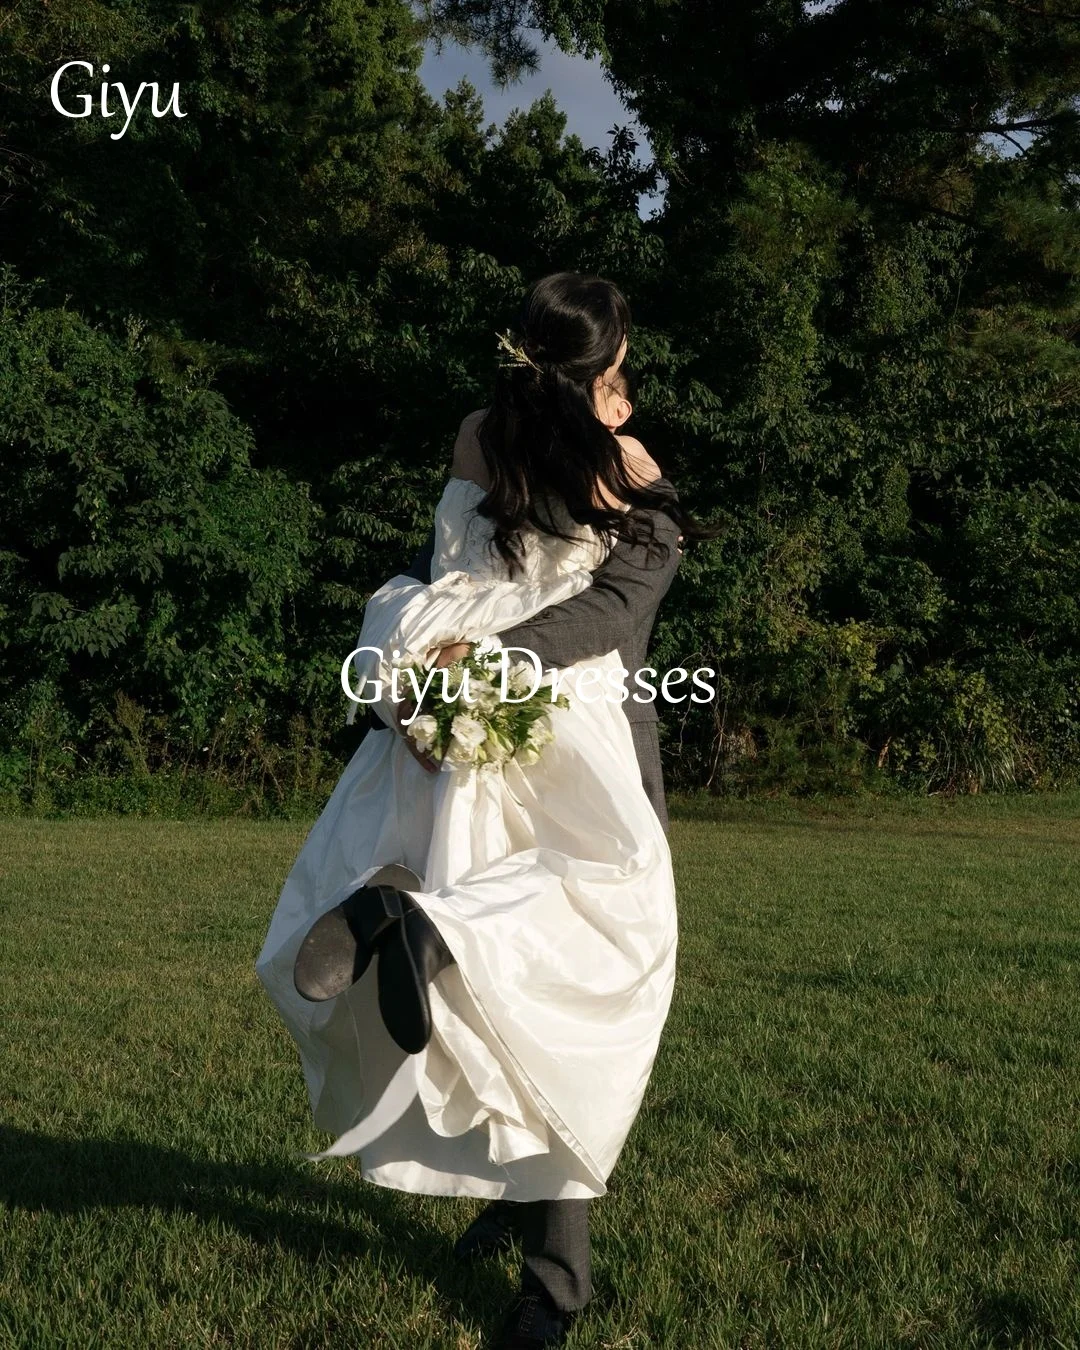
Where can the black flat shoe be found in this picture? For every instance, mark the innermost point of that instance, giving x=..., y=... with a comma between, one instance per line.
x=340, y=944
x=410, y=957
x=533, y=1323
x=493, y=1230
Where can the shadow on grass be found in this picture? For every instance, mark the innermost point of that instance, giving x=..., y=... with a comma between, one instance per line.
x=268, y=1203
x=1012, y=1317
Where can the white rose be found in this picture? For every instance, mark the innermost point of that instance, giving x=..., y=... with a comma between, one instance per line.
x=423, y=730
x=522, y=681
x=523, y=670
x=466, y=736
x=483, y=696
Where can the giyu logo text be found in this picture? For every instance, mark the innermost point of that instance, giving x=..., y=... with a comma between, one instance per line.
x=60, y=101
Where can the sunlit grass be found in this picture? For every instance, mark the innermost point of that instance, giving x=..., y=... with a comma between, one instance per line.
x=862, y=1127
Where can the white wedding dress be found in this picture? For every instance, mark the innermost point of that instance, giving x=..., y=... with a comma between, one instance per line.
x=551, y=884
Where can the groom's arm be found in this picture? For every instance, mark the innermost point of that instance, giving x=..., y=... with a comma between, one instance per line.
x=626, y=588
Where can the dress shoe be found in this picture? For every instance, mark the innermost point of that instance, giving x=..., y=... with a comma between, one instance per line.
x=411, y=956
x=493, y=1230
x=340, y=944
x=533, y=1323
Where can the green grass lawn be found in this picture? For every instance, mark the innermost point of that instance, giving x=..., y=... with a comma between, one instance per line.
x=863, y=1128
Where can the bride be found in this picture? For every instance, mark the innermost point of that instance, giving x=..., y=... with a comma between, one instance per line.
x=477, y=967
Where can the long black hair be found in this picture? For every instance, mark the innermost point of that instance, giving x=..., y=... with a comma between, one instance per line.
x=541, y=438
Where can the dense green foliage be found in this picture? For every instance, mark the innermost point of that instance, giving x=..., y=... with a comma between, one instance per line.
x=236, y=348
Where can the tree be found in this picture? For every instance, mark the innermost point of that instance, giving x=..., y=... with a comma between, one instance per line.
x=143, y=555
x=868, y=307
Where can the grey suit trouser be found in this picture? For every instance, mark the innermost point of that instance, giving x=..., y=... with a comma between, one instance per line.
x=555, y=1233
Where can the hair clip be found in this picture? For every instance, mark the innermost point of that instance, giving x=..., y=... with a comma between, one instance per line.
x=518, y=355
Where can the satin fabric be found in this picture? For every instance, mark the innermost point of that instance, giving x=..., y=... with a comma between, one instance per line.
x=551, y=884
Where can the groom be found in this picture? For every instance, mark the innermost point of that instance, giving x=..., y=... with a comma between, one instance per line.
x=616, y=612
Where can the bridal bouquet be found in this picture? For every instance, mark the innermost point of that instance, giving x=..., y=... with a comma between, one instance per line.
x=473, y=725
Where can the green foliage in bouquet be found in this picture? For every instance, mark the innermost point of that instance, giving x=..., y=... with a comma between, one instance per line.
x=462, y=719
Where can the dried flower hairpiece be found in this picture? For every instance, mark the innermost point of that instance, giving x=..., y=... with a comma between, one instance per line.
x=517, y=355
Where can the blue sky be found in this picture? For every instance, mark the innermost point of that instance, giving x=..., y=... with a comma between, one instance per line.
x=580, y=89
x=578, y=85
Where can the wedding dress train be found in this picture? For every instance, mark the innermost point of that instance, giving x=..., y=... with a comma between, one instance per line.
x=551, y=884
